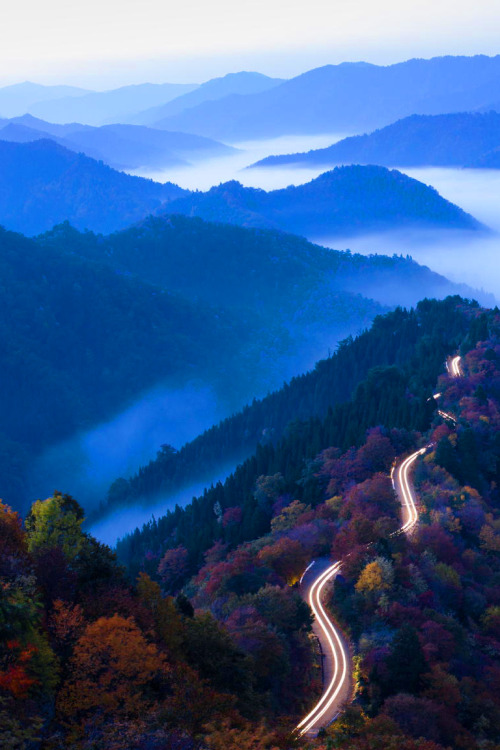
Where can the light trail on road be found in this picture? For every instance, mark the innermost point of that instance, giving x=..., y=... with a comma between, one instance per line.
x=445, y=415
x=325, y=709
x=456, y=372
x=406, y=492
x=340, y=672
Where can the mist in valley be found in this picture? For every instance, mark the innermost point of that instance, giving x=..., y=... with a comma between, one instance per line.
x=463, y=257
x=86, y=464
x=118, y=524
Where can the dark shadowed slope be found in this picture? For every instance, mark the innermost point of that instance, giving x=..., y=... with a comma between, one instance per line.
x=347, y=98
x=346, y=200
x=42, y=184
x=455, y=140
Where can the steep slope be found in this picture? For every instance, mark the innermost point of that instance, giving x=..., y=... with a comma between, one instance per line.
x=264, y=423
x=42, y=184
x=120, y=146
x=455, y=140
x=346, y=98
x=102, y=107
x=346, y=200
x=383, y=377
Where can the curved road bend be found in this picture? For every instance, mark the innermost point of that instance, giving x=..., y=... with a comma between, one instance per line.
x=336, y=661
x=334, y=649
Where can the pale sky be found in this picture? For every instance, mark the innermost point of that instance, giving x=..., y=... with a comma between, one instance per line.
x=104, y=43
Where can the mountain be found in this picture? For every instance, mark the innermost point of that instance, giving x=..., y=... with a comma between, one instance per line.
x=346, y=200
x=18, y=98
x=304, y=298
x=120, y=146
x=80, y=341
x=266, y=305
x=455, y=140
x=102, y=107
x=330, y=405
x=42, y=184
x=198, y=631
x=348, y=98
x=234, y=83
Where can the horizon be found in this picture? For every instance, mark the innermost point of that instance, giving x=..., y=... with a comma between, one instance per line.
x=109, y=45
x=223, y=73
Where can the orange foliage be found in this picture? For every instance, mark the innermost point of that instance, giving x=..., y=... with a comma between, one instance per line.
x=111, y=671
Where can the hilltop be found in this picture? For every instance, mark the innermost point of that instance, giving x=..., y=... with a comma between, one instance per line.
x=346, y=200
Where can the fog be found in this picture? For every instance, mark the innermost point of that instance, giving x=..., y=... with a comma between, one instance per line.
x=461, y=257
x=203, y=175
x=86, y=464
x=94, y=459
x=117, y=525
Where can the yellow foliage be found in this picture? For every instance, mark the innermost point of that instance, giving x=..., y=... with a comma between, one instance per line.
x=372, y=578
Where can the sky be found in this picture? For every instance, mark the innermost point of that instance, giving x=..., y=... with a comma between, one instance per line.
x=100, y=44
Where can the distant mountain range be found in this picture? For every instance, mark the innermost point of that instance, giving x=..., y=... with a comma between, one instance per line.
x=43, y=183
x=234, y=83
x=348, y=98
x=103, y=107
x=346, y=200
x=20, y=97
x=455, y=140
x=141, y=104
x=120, y=146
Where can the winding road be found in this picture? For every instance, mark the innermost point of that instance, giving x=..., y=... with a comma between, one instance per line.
x=337, y=672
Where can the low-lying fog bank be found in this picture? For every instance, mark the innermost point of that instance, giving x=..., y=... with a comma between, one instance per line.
x=463, y=258
x=85, y=465
x=122, y=522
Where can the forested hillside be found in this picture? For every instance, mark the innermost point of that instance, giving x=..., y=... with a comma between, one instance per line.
x=90, y=322
x=42, y=184
x=388, y=375
x=466, y=139
x=80, y=341
x=211, y=648
x=347, y=201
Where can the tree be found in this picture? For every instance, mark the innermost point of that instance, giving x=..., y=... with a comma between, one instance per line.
x=55, y=522
x=376, y=576
x=173, y=568
x=168, y=622
x=289, y=516
x=287, y=557
x=210, y=650
x=406, y=662
x=113, y=671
